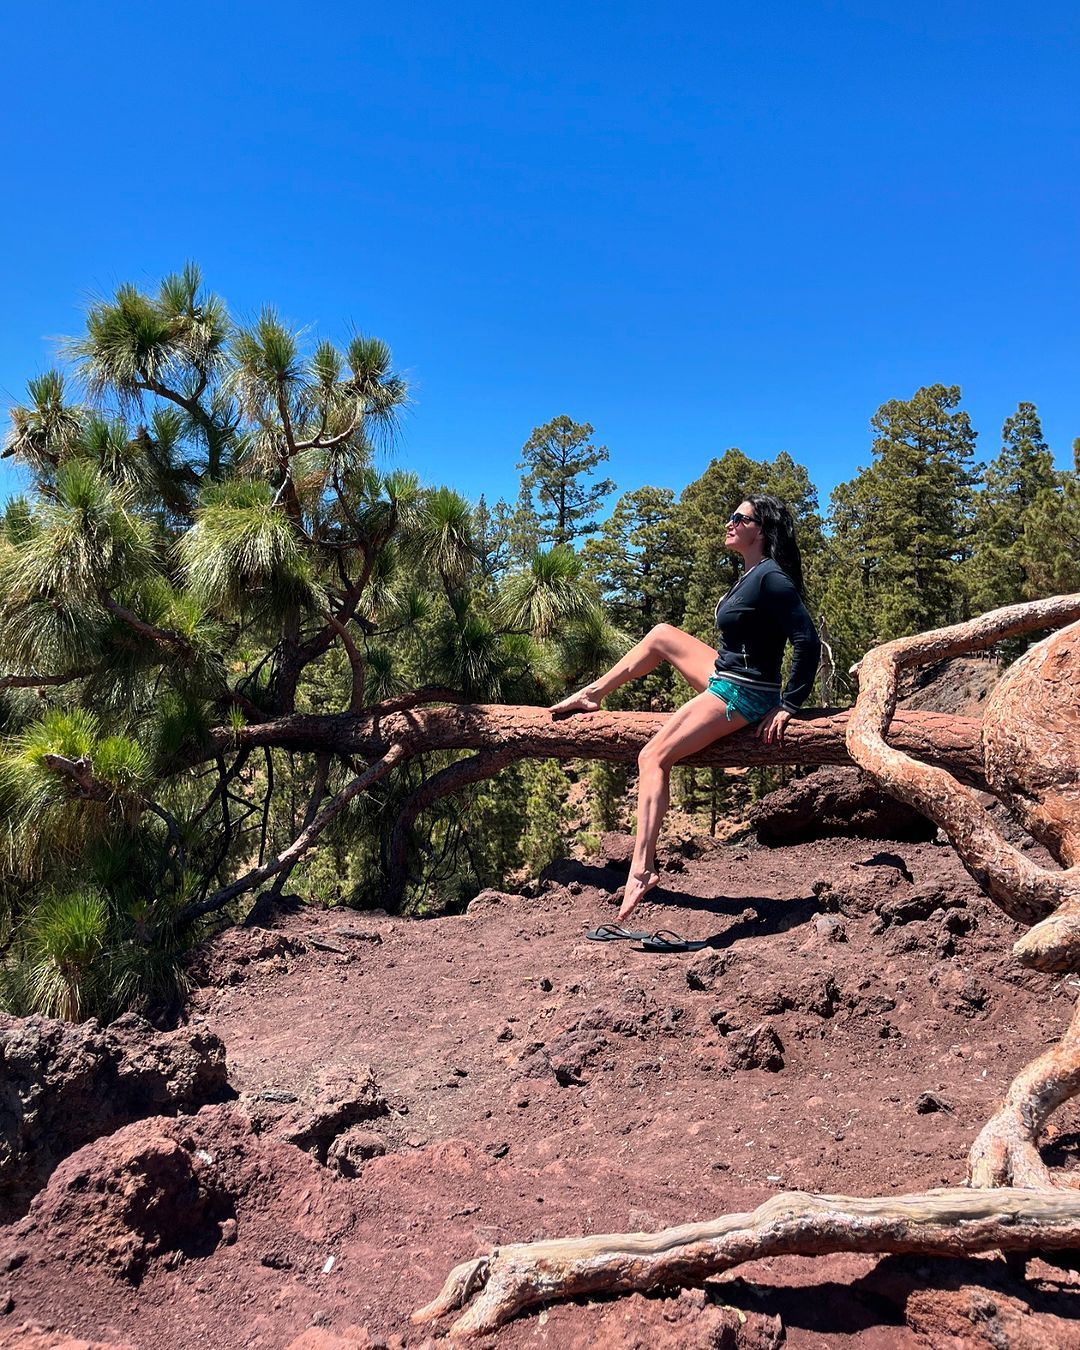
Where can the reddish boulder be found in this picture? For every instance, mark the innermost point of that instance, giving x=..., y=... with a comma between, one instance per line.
x=62, y=1085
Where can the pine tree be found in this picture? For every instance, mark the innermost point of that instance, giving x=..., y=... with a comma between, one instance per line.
x=901, y=529
x=493, y=532
x=495, y=825
x=1011, y=484
x=524, y=531
x=607, y=784
x=559, y=458
x=546, y=834
x=641, y=561
x=1050, y=548
x=208, y=541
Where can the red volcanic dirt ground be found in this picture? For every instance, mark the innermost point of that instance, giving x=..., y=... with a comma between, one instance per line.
x=531, y=1083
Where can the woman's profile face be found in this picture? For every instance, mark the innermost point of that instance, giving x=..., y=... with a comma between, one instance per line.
x=742, y=528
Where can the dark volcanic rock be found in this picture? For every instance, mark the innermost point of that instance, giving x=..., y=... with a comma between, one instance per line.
x=835, y=800
x=959, y=685
x=63, y=1085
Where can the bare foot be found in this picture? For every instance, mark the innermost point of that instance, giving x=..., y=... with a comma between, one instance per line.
x=582, y=701
x=639, y=885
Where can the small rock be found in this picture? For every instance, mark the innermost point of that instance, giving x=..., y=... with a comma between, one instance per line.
x=758, y=1048
x=339, y=1100
x=818, y=995
x=486, y=900
x=830, y=928
x=724, y=1021
x=7, y=1305
x=351, y=1150
x=546, y=985
x=928, y=1102
x=228, y=1231
x=706, y=969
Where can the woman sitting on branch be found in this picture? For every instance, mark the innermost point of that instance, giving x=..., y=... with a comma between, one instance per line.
x=736, y=687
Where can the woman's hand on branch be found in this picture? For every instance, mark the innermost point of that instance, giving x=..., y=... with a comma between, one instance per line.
x=771, y=727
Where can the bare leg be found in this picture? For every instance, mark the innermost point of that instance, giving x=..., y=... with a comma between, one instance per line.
x=691, y=657
x=696, y=725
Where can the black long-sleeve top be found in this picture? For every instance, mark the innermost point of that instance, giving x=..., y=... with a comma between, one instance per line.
x=758, y=615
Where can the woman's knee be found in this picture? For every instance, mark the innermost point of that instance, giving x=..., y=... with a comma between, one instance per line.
x=651, y=758
x=660, y=635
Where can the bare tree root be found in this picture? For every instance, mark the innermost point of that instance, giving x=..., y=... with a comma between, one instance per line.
x=953, y=1222
x=1023, y=890
x=1006, y=1151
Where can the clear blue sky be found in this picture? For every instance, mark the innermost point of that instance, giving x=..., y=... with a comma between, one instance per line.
x=694, y=225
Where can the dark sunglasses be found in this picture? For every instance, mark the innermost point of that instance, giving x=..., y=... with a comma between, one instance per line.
x=737, y=518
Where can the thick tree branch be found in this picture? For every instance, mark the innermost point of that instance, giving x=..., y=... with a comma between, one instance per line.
x=45, y=681
x=89, y=788
x=356, y=663
x=954, y=1222
x=215, y=435
x=339, y=438
x=164, y=636
x=80, y=772
x=1025, y=891
x=442, y=784
x=429, y=693
x=617, y=737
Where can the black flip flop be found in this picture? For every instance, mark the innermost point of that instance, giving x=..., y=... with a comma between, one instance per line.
x=614, y=932
x=667, y=941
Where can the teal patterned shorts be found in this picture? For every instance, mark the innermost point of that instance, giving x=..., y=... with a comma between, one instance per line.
x=749, y=703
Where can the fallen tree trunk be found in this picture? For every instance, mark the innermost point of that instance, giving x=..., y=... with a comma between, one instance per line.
x=497, y=735
x=953, y=1222
x=817, y=737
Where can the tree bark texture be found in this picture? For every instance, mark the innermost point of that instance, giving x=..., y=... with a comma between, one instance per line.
x=1031, y=742
x=954, y=1222
x=524, y=732
x=1006, y=1152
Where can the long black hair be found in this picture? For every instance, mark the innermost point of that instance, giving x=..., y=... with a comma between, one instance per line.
x=778, y=526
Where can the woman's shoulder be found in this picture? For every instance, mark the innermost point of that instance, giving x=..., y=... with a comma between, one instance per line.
x=774, y=578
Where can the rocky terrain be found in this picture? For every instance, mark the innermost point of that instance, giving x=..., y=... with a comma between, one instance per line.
x=355, y=1103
